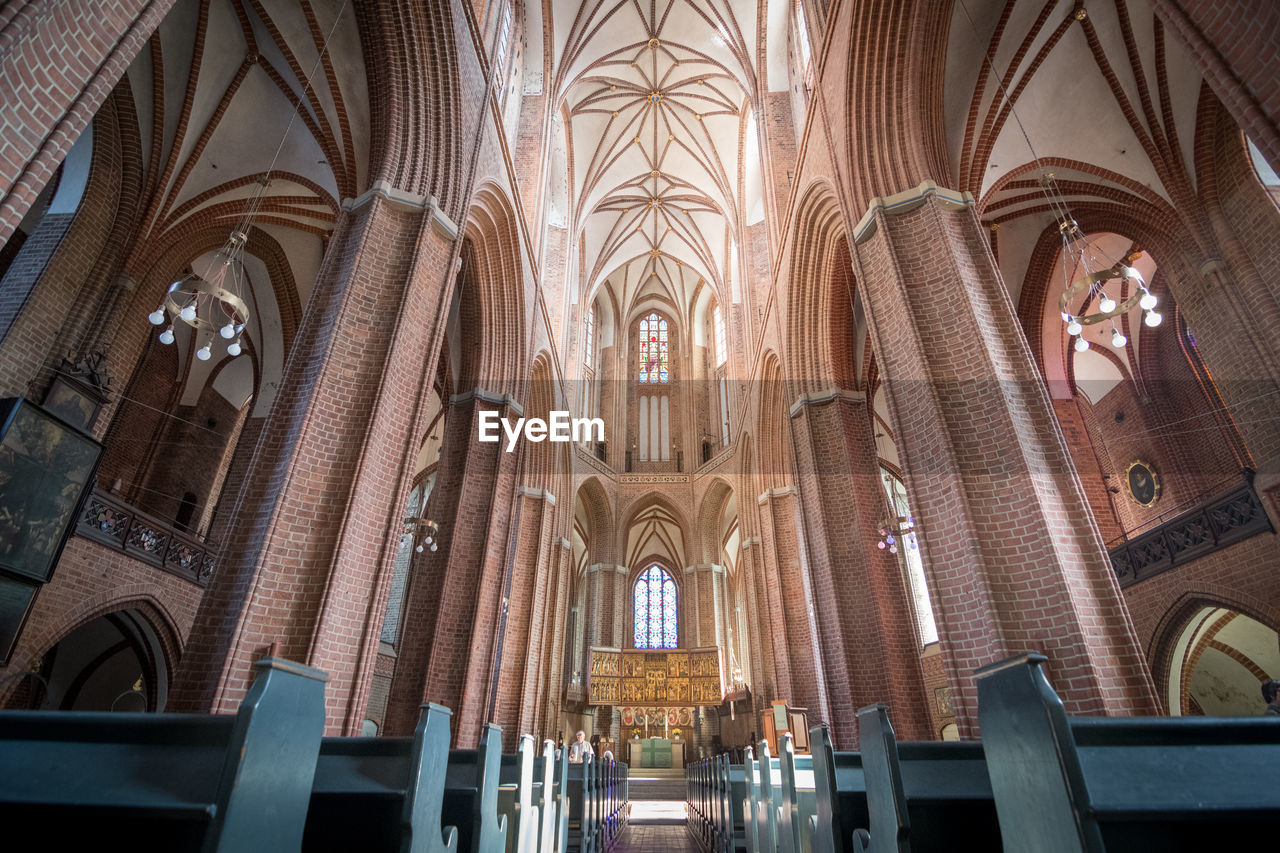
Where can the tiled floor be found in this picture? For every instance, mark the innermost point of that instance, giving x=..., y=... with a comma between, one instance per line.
x=647, y=838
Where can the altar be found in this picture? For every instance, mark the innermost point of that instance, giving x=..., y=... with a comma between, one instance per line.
x=656, y=752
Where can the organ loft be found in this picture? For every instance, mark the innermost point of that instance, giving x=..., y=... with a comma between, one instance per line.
x=727, y=381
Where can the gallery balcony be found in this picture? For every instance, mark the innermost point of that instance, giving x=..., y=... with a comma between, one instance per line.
x=110, y=521
x=1184, y=534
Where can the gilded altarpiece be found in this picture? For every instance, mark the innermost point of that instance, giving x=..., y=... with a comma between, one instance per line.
x=669, y=677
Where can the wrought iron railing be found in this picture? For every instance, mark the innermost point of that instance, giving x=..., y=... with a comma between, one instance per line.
x=112, y=522
x=1225, y=519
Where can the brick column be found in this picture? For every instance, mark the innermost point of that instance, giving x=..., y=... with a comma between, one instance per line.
x=1236, y=45
x=1006, y=533
x=759, y=639
x=790, y=599
x=525, y=590
x=312, y=545
x=454, y=598
x=704, y=604
x=59, y=60
x=864, y=617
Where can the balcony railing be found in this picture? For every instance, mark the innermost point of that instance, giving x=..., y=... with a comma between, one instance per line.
x=114, y=523
x=1225, y=519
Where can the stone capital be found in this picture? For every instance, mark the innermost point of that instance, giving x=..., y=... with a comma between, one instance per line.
x=905, y=201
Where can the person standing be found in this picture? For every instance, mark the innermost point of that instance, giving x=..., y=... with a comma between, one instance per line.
x=1270, y=691
x=580, y=749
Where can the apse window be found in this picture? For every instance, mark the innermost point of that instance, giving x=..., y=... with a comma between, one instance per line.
x=654, y=367
x=655, y=610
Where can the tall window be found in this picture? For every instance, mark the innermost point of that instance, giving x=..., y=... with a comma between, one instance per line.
x=591, y=336
x=897, y=492
x=654, y=367
x=655, y=610
x=721, y=353
x=504, y=42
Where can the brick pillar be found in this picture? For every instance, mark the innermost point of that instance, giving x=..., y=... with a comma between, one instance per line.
x=525, y=581
x=1232, y=318
x=864, y=617
x=59, y=59
x=1236, y=45
x=454, y=599
x=1014, y=555
x=790, y=598
x=758, y=667
x=704, y=604
x=312, y=544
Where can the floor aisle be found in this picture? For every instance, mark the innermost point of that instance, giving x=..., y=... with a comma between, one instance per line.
x=648, y=838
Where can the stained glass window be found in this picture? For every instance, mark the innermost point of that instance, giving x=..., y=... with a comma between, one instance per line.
x=655, y=610
x=654, y=366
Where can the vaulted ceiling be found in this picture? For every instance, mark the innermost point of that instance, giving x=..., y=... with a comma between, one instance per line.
x=656, y=106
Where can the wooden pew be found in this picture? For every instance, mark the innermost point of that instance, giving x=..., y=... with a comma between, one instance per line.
x=1073, y=784
x=840, y=791
x=171, y=782
x=516, y=798
x=927, y=796
x=382, y=794
x=561, y=792
x=751, y=774
x=798, y=803
x=546, y=794
x=580, y=837
x=768, y=800
x=735, y=791
x=471, y=795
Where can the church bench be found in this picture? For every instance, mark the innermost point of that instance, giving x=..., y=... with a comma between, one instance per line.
x=1122, y=784
x=172, y=782
x=733, y=792
x=546, y=794
x=382, y=793
x=516, y=798
x=471, y=795
x=840, y=789
x=581, y=836
x=562, y=798
x=798, y=799
x=926, y=796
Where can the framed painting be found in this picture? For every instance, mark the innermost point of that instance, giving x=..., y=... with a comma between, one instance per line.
x=16, y=598
x=1143, y=483
x=46, y=468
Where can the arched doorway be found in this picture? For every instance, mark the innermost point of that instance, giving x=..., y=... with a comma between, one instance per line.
x=115, y=662
x=1218, y=664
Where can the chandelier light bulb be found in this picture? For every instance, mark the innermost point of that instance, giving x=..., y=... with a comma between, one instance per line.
x=234, y=349
x=1106, y=304
x=157, y=316
x=1148, y=301
x=166, y=337
x=881, y=545
x=418, y=549
x=433, y=546
x=1074, y=327
x=1081, y=345
x=428, y=540
x=1153, y=319
x=1118, y=340
x=188, y=313
x=893, y=549
x=228, y=331
x=204, y=353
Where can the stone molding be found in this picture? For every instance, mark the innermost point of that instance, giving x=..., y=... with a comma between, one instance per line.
x=905, y=201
